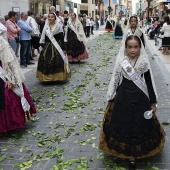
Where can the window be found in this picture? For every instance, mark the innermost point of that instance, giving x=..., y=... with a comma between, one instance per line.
x=84, y=1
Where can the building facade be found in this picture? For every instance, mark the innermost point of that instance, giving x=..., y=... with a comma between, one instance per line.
x=156, y=8
x=39, y=7
x=88, y=7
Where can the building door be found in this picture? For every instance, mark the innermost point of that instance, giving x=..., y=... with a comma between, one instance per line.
x=84, y=12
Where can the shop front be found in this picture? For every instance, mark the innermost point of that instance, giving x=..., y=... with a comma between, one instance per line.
x=40, y=7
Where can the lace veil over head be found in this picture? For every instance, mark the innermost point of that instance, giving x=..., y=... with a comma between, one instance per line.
x=57, y=29
x=128, y=30
x=78, y=28
x=10, y=65
x=142, y=65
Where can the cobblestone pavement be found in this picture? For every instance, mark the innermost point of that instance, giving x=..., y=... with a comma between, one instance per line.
x=64, y=134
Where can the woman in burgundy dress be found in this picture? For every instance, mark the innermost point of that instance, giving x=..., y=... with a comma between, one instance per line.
x=16, y=105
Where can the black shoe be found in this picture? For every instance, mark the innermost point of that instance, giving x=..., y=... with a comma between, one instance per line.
x=23, y=66
x=30, y=63
x=132, y=165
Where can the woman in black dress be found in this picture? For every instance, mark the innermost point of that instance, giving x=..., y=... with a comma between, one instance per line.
x=125, y=132
x=118, y=32
x=75, y=39
x=52, y=63
x=133, y=27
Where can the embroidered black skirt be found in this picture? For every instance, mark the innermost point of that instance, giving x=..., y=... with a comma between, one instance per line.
x=125, y=132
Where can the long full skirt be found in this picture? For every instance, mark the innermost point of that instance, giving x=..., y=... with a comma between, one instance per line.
x=109, y=26
x=118, y=33
x=12, y=115
x=125, y=132
x=51, y=66
x=76, y=50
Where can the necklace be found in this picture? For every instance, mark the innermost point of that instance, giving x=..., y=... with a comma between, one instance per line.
x=133, y=61
x=51, y=26
x=133, y=31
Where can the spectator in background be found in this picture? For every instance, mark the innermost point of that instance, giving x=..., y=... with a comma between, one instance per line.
x=166, y=35
x=84, y=23
x=102, y=21
x=25, y=41
x=13, y=31
x=2, y=20
x=92, y=25
x=41, y=22
x=52, y=9
x=80, y=18
x=97, y=22
x=88, y=26
x=35, y=34
x=6, y=17
x=60, y=18
x=3, y=29
x=65, y=21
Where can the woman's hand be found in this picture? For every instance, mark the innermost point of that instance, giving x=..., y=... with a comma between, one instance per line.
x=64, y=52
x=154, y=108
x=9, y=85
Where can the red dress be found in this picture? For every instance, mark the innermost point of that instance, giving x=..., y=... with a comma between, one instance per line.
x=12, y=115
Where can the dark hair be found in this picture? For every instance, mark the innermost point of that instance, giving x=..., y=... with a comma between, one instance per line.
x=11, y=14
x=133, y=17
x=167, y=20
x=132, y=37
x=30, y=13
x=53, y=14
x=6, y=17
x=65, y=12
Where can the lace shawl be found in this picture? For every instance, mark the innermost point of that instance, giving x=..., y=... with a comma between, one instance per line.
x=142, y=65
x=56, y=29
x=79, y=30
x=10, y=65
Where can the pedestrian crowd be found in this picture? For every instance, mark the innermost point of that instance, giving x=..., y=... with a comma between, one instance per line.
x=130, y=129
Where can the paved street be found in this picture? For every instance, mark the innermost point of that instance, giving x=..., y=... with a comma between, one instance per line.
x=64, y=134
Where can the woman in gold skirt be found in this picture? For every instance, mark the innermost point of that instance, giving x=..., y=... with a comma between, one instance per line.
x=52, y=63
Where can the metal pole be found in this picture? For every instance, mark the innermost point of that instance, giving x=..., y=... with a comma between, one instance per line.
x=140, y=9
x=109, y=7
x=148, y=9
x=54, y=3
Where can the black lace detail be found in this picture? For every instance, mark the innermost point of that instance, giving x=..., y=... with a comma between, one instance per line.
x=125, y=128
x=74, y=46
x=50, y=60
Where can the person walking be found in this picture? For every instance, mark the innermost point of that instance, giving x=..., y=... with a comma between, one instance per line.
x=91, y=25
x=25, y=41
x=165, y=30
x=84, y=20
x=125, y=132
x=109, y=26
x=75, y=40
x=133, y=27
x=97, y=22
x=88, y=26
x=35, y=34
x=13, y=31
x=53, y=63
x=118, y=32
x=16, y=105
